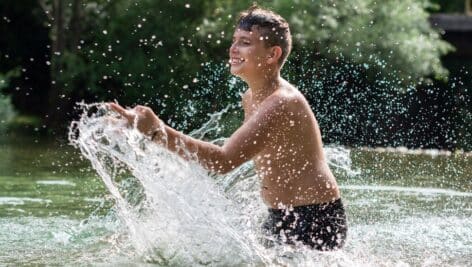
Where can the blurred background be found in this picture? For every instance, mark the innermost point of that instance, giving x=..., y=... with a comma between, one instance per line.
x=376, y=74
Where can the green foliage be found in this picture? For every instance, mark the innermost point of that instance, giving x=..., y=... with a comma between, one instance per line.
x=392, y=38
x=172, y=56
x=7, y=112
x=449, y=6
x=464, y=131
x=143, y=52
x=24, y=48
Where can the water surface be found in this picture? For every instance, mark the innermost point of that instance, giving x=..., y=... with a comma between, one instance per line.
x=403, y=208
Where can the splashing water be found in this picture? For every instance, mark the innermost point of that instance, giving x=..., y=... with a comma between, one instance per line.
x=174, y=211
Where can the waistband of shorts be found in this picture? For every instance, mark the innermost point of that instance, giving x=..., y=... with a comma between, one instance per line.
x=319, y=207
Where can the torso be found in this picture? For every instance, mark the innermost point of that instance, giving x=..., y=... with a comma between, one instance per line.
x=292, y=166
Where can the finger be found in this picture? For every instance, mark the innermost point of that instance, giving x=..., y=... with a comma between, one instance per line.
x=123, y=112
x=141, y=108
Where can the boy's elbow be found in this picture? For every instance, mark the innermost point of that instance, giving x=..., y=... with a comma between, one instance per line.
x=225, y=164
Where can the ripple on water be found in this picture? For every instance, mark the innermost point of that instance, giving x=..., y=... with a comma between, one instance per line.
x=57, y=240
x=55, y=182
x=21, y=200
x=409, y=190
x=174, y=213
x=435, y=240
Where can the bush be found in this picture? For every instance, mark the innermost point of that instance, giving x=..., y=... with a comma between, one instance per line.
x=7, y=112
x=393, y=38
x=358, y=62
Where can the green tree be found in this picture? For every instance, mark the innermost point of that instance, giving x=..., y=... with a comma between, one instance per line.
x=144, y=52
x=7, y=112
x=171, y=55
x=23, y=46
x=165, y=53
x=393, y=39
x=357, y=62
x=449, y=6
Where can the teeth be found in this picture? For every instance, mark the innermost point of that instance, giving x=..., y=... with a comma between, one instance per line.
x=236, y=60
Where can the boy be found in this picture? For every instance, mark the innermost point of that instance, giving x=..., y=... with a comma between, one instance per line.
x=280, y=133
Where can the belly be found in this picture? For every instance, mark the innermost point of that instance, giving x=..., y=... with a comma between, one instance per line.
x=292, y=187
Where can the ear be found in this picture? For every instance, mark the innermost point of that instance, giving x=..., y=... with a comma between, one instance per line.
x=275, y=53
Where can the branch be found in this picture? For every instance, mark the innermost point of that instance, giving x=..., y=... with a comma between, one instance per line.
x=44, y=6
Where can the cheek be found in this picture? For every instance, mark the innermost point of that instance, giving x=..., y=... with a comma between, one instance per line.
x=252, y=55
x=259, y=57
x=246, y=51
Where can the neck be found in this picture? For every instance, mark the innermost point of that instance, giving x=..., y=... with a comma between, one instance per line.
x=264, y=85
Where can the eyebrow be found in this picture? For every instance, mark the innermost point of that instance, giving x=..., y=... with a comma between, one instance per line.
x=242, y=37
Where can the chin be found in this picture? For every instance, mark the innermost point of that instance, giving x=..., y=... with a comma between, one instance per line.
x=235, y=71
x=239, y=75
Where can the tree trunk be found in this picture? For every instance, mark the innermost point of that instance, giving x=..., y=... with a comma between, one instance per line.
x=55, y=115
x=75, y=25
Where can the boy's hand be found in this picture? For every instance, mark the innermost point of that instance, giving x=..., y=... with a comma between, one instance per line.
x=143, y=117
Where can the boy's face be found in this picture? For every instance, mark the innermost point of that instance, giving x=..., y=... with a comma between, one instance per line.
x=248, y=53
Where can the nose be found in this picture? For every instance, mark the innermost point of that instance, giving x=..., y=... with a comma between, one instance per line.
x=233, y=48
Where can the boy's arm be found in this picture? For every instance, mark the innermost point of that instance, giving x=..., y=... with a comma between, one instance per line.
x=247, y=141
x=251, y=138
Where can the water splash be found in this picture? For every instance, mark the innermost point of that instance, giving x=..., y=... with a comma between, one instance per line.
x=174, y=211
x=340, y=158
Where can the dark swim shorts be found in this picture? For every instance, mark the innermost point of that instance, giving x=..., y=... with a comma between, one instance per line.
x=320, y=226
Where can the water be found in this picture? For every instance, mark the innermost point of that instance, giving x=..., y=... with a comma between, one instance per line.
x=147, y=206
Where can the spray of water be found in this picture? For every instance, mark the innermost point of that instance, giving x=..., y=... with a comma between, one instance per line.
x=175, y=212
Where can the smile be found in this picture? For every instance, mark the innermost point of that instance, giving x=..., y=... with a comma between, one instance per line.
x=235, y=60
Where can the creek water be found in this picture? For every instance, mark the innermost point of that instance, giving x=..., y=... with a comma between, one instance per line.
x=115, y=198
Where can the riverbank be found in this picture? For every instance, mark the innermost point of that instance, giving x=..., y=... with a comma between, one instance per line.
x=418, y=151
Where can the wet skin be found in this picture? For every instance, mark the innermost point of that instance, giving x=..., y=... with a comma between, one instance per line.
x=279, y=133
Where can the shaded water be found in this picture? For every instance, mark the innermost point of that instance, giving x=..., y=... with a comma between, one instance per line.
x=147, y=206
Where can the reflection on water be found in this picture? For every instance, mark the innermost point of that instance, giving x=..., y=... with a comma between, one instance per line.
x=404, y=209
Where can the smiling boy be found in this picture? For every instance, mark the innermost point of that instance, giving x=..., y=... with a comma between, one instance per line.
x=280, y=133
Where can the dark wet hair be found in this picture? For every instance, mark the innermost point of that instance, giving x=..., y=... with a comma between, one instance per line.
x=273, y=27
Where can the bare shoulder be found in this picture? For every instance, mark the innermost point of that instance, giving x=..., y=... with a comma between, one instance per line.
x=290, y=97
x=284, y=101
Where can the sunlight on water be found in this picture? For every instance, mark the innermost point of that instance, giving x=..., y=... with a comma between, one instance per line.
x=57, y=240
x=176, y=213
